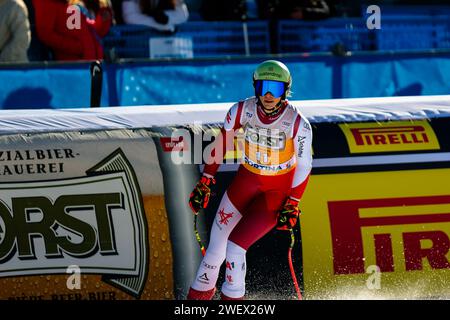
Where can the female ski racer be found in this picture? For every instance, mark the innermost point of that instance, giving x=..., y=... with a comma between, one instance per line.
x=267, y=187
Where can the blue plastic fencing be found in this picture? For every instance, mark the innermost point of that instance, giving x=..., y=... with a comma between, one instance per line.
x=186, y=81
x=125, y=41
x=227, y=37
x=302, y=36
x=209, y=39
x=396, y=33
x=235, y=38
x=418, y=32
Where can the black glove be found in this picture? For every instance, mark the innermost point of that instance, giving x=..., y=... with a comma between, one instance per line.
x=199, y=197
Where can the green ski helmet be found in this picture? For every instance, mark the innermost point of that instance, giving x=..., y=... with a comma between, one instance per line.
x=274, y=71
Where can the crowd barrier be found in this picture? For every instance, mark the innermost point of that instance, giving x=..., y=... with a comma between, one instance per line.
x=251, y=37
x=430, y=32
x=208, y=81
x=97, y=193
x=192, y=40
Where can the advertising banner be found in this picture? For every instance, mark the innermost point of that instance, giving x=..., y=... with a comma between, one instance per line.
x=82, y=216
x=377, y=211
x=372, y=137
x=377, y=235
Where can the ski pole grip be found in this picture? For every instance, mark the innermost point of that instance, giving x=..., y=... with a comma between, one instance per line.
x=96, y=72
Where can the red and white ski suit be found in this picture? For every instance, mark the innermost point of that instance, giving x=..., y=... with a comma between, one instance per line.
x=276, y=165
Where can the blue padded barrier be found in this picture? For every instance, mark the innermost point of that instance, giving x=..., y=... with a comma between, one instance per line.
x=221, y=80
x=314, y=77
x=42, y=86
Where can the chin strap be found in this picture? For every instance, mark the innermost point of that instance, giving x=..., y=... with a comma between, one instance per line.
x=273, y=113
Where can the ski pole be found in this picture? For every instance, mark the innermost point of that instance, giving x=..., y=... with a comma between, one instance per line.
x=291, y=266
x=96, y=72
x=197, y=236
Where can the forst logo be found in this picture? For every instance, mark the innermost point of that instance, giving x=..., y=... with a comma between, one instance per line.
x=273, y=139
x=347, y=227
x=96, y=222
x=390, y=136
x=20, y=226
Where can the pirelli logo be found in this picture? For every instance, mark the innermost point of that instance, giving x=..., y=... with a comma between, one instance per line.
x=390, y=136
x=402, y=234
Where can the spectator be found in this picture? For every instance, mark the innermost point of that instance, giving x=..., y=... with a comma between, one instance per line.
x=162, y=15
x=73, y=33
x=37, y=50
x=15, y=35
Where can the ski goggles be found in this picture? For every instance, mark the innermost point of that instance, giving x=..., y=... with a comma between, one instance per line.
x=276, y=88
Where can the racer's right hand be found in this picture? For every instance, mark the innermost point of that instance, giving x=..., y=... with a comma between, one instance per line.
x=199, y=197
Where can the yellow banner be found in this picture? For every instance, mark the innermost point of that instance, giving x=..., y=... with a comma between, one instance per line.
x=390, y=136
x=389, y=239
